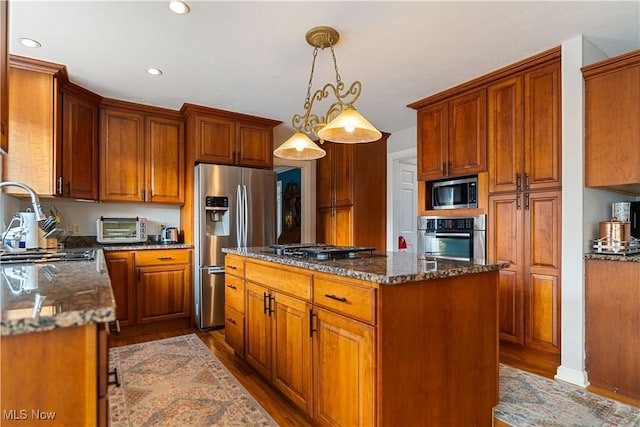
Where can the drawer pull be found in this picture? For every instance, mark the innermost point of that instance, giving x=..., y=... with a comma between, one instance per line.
x=230, y=320
x=232, y=287
x=341, y=299
x=231, y=267
x=165, y=258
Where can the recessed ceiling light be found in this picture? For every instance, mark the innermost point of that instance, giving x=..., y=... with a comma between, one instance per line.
x=154, y=71
x=29, y=42
x=179, y=7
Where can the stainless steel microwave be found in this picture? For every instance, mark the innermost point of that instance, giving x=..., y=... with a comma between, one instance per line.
x=455, y=193
x=121, y=230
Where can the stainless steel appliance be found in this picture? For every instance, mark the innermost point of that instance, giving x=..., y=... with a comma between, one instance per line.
x=234, y=207
x=321, y=251
x=121, y=230
x=169, y=235
x=452, y=237
x=455, y=193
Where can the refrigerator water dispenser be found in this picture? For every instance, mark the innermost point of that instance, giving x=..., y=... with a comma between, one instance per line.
x=217, y=209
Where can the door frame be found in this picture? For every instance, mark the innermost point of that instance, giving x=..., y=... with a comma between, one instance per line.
x=307, y=195
x=392, y=159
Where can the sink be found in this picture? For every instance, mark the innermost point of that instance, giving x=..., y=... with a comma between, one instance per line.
x=47, y=256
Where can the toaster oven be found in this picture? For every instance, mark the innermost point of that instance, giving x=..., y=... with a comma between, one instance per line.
x=121, y=230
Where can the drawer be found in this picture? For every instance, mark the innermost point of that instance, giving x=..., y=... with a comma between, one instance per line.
x=234, y=293
x=163, y=256
x=234, y=265
x=280, y=278
x=234, y=330
x=345, y=298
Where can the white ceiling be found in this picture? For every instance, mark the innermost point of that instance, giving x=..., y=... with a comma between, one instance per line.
x=252, y=57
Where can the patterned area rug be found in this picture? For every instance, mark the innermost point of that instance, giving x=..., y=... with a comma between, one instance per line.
x=178, y=382
x=531, y=400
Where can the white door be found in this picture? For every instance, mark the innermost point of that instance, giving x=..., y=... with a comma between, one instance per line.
x=405, y=199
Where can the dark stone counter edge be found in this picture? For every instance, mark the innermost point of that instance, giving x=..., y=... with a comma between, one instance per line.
x=371, y=277
x=613, y=257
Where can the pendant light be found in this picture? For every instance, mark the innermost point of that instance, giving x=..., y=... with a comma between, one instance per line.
x=346, y=124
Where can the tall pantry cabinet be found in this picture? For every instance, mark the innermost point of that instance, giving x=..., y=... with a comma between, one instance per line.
x=524, y=218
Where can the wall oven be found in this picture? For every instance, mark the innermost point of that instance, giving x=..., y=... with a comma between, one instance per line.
x=452, y=237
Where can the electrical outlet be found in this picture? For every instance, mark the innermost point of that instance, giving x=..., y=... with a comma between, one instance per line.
x=76, y=228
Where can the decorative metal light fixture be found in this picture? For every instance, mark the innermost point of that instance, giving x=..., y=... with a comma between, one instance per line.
x=342, y=122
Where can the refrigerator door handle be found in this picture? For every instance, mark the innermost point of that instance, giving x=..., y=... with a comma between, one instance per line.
x=246, y=217
x=239, y=217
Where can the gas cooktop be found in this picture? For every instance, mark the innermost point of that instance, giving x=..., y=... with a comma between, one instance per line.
x=320, y=251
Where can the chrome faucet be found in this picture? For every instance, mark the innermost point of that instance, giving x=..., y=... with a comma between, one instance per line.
x=35, y=201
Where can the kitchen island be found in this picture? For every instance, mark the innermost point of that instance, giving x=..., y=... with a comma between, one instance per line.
x=54, y=344
x=384, y=340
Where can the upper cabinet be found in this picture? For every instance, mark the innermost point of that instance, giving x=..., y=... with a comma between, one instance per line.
x=223, y=137
x=612, y=128
x=452, y=137
x=524, y=131
x=53, y=128
x=141, y=154
x=4, y=71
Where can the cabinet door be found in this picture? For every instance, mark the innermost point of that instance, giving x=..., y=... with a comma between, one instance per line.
x=33, y=110
x=122, y=274
x=234, y=330
x=121, y=156
x=343, y=174
x=433, y=128
x=325, y=226
x=542, y=130
x=324, y=178
x=343, y=371
x=163, y=292
x=467, y=146
x=165, y=160
x=505, y=135
x=291, y=349
x=79, y=147
x=254, y=146
x=258, y=329
x=4, y=71
x=612, y=128
x=343, y=226
x=504, y=244
x=542, y=219
x=214, y=140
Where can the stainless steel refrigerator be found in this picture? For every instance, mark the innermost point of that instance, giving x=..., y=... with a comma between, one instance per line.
x=234, y=207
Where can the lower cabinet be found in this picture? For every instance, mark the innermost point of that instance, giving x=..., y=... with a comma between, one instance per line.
x=151, y=285
x=57, y=377
x=343, y=370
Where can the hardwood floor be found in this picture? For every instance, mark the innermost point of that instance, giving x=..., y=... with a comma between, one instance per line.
x=283, y=412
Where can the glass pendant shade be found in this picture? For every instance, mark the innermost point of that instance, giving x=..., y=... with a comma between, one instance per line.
x=349, y=127
x=299, y=147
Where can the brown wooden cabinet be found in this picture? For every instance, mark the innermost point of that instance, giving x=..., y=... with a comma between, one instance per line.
x=612, y=129
x=351, y=196
x=524, y=230
x=524, y=131
x=221, y=137
x=79, y=179
x=141, y=154
x=151, y=285
x=278, y=342
x=55, y=130
x=234, y=309
x=612, y=322
x=71, y=361
x=4, y=72
x=452, y=137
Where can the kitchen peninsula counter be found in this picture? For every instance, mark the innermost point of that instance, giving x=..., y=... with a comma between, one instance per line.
x=378, y=340
x=613, y=257
x=387, y=269
x=66, y=294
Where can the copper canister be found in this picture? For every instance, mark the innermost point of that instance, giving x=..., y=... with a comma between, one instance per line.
x=615, y=231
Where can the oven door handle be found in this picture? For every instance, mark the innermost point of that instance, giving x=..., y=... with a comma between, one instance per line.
x=448, y=234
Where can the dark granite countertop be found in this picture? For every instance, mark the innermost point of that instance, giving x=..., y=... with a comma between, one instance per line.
x=613, y=257
x=60, y=294
x=385, y=268
x=143, y=246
